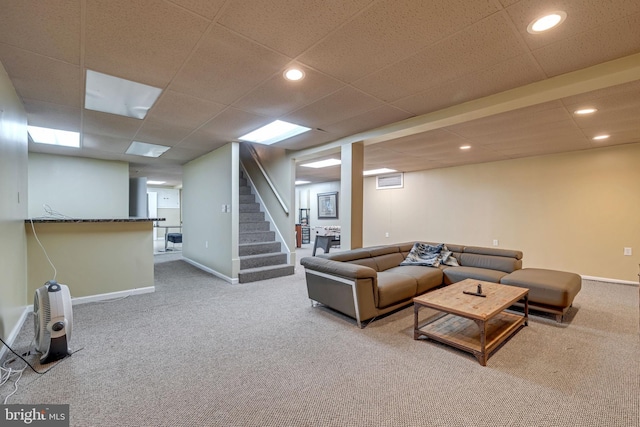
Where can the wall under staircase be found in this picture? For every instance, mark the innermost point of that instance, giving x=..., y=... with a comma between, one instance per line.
x=261, y=256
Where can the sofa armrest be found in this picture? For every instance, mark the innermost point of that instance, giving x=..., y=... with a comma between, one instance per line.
x=337, y=268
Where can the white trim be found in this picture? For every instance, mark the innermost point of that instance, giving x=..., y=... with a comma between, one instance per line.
x=604, y=279
x=16, y=330
x=111, y=295
x=209, y=270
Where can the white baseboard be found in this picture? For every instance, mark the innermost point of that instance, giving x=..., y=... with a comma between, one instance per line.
x=209, y=270
x=15, y=331
x=112, y=295
x=604, y=279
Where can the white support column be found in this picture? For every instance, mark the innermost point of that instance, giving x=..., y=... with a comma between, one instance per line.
x=351, y=195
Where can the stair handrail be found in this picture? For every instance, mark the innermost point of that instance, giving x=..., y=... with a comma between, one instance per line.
x=256, y=159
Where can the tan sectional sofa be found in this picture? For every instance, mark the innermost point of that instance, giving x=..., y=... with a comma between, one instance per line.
x=369, y=282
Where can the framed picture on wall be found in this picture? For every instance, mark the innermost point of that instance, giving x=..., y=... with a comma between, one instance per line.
x=328, y=205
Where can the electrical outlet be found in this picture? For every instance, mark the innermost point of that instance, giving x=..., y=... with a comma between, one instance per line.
x=386, y=234
x=495, y=242
x=627, y=252
x=206, y=244
x=224, y=208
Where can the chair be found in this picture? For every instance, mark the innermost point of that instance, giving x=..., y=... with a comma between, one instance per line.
x=174, y=238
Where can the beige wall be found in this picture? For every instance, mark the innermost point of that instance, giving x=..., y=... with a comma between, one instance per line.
x=78, y=187
x=92, y=258
x=210, y=236
x=13, y=206
x=573, y=211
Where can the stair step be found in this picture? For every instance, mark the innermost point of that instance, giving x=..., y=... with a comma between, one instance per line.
x=263, y=273
x=254, y=226
x=258, y=248
x=247, y=198
x=262, y=260
x=251, y=216
x=245, y=190
x=249, y=207
x=256, y=236
x=243, y=182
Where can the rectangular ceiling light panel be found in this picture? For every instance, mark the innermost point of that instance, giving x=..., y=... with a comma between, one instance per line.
x=145, y=149
x=274, y=132
x=54, y=136
x=114, y=95
x=323, y=163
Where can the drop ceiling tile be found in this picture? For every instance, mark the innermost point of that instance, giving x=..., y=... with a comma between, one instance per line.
x=232, y=123
x=49, y=28
x=389, y=31
x=345, y=103
x=582, y=17
x=201, y=140
x=52, y=116
x=206, y=8
x=515, y=72
x=40, y=78
x=143, y=41
x=184, y=155
x=278, y=96
x=478, y=47
x=607, y=42
x=288, y=26
x=245, y=66
x=110, y=124
x=185, y=111
x=371, y=119
x=157, y=132
x=105, y=143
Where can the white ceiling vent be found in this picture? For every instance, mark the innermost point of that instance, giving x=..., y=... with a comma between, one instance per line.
x=394, y=180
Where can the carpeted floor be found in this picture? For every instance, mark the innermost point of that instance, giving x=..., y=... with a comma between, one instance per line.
x=201, y=352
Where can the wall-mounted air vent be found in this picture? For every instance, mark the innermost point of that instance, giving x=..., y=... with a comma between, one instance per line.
x=394, y=180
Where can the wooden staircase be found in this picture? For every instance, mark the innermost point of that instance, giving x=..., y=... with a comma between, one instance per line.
x=261, y=256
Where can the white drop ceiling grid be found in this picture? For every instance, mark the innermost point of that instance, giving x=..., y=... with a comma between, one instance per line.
x=368, y=64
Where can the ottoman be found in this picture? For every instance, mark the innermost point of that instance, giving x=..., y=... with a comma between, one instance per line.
x=550, y=291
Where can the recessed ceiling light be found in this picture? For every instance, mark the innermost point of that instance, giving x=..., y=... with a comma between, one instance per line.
x=546, y=22
x=274, y=132
x=465, y=147
x=378, y=171
x=323, y=163
x=294, y=74
x=583, y=111
x=302, y=182
x=600, y=137
x=114, y=95
x=63, y=138
x=156, y=182
x=145, y=149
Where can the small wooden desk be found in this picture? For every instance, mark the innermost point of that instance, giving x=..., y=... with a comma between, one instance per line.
x=472, y=323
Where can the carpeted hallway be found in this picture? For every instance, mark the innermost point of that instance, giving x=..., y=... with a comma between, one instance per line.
x=201, y=352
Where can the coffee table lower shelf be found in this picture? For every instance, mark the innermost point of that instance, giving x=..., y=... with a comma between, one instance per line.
x=466, y=334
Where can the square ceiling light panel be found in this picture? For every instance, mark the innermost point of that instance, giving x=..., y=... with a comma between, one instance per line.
x=63, y=138
x=274, y=132
x=114, y=95
x=145, y=149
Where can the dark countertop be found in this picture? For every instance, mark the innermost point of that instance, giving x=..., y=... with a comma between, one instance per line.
x=78, y=220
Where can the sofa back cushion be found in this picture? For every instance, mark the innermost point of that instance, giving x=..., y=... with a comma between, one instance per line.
x=385, y=262
x=491, y=262
x=346, y=256
x=367, y=262
x=491, y=251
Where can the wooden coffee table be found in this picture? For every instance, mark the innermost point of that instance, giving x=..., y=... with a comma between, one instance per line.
x=472, y=323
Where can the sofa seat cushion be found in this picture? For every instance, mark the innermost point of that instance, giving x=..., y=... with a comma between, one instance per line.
x=427, y=278
x=394, y=287
x=456, y=274
x=548, y=287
